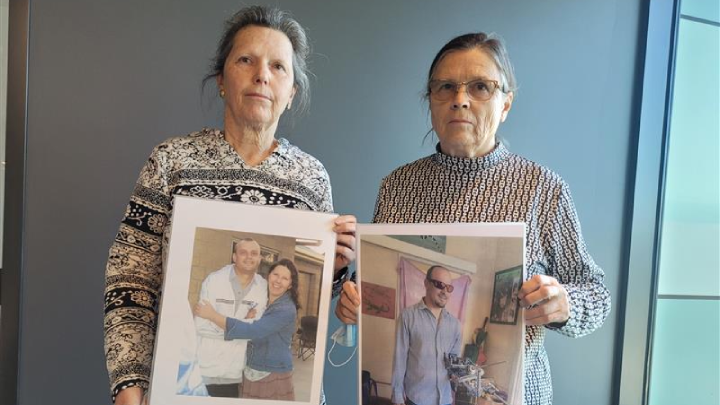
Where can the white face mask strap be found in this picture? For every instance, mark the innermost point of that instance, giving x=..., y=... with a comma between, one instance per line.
x=344, y=362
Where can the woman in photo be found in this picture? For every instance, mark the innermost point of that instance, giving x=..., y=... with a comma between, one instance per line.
x=268, y=373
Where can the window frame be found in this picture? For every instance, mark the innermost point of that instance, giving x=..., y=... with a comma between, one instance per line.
x=637, y=311
x=14, y=235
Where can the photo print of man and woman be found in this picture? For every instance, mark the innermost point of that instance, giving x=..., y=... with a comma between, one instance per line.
x=439, y=321
x=255, y=300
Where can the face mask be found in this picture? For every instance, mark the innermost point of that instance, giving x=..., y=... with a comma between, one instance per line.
x=344, y=336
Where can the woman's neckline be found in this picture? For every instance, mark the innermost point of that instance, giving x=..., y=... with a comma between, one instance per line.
x=473, y=164
x=280, y=146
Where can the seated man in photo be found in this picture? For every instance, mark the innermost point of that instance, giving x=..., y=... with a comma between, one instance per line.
x=426, y=332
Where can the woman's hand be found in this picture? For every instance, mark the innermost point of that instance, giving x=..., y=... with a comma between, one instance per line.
x=203, y=309
x=348, y=304
x=550, y=300
x=131, y=396
x=251, y=314
x=345, y=249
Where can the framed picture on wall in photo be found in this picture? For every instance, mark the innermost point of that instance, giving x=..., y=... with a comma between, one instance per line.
x=505, y=302
x=249, y=328
x=420, y=303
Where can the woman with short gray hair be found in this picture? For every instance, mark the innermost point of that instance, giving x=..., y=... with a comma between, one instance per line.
x=260, y=71
x=277, y=20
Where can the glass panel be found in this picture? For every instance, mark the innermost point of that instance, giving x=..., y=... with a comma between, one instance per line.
x=689, y=260
x=685, y=364
x=686, y=353
x=705, y=9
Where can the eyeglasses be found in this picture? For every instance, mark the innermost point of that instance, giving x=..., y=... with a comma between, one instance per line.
x=478, y=90
x=441, y=286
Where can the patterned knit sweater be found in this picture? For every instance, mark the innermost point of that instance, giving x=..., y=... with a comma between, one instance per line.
x=201, y=165
x=503, y=187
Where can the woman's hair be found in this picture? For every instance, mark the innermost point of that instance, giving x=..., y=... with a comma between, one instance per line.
x=276, y=19
x=294, y=277
x=490, y=43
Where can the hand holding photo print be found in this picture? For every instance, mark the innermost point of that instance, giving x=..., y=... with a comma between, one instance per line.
x=240, y=282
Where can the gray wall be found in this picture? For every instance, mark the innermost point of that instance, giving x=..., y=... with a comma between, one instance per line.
x=109, y=79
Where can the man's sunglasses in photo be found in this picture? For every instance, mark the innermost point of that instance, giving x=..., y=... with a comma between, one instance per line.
x=441, y=286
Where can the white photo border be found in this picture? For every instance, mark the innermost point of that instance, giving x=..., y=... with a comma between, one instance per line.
x=192, y=213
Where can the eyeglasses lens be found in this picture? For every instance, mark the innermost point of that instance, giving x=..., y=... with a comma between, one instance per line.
x=478, y=90
x=442, y=286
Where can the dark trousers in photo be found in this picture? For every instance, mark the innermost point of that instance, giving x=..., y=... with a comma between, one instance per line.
x=224, y=390
x=409, y=402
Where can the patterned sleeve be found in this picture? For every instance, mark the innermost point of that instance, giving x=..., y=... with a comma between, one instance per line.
x=344, y=274
x=378, y=213
x=327, y=200
x=133, y=278
x=341, y=275
x=570, y=262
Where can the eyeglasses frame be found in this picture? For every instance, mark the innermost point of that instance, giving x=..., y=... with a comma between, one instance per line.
x=465, y=84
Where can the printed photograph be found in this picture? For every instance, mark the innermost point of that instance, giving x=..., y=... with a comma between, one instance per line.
x=427, y=333
x=271, y=284
x=247, y=329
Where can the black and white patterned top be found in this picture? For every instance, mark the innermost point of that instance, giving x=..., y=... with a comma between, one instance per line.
x=503, y=187
x=201, y=165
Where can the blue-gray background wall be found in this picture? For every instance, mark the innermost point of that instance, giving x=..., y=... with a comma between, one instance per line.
x=110, y=79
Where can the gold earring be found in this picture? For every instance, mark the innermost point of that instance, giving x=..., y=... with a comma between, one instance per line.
x=222, y=93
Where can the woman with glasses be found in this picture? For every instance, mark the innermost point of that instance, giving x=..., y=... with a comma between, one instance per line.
x=473, y=177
